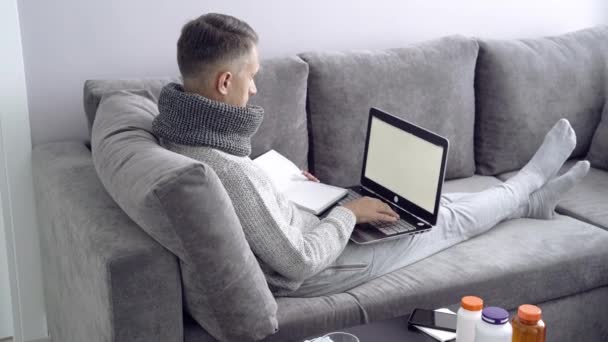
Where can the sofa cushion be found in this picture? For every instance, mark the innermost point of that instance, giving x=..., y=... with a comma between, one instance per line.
x=523, y=87
x=580, y=317
x=281, y=85
x=588, y=200
x=182, y=204
x=104, y=278
x=94, y=90
x=518, y=261
x=300, y=318
x=598, y=152
x=429, y=84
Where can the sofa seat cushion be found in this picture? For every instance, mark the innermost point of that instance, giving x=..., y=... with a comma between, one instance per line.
x=523, y=87
x=598, y=152
x=429, y=84
x=588, y=201
x=300, y=318
x=281, y=84
x=519, y=261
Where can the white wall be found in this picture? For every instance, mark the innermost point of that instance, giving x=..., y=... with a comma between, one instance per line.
x=6, y=308
x=16, y=190
x=69, y=41
x=602, y=13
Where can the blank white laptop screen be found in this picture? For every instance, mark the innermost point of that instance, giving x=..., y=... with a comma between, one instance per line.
x=403, y=163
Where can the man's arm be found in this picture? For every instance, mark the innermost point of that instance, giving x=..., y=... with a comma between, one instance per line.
x=276, y=235
x=293, y=251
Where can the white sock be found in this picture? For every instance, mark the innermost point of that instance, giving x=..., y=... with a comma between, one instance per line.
x=542, y=203
x=546, y=162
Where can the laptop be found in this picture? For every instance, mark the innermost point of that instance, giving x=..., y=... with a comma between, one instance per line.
x=404, y=166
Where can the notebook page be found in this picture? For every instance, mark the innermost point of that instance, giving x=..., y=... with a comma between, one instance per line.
x=288, y=178
x=312, y=196
x=281, y=171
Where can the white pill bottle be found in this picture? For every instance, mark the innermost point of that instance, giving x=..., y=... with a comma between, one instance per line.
x=494, y=326
x=468, y=316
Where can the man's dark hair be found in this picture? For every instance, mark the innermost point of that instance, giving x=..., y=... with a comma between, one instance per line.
x=211, y=38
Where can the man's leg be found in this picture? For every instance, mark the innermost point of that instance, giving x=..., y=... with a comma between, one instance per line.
x=353, y=267
x=463, y=216
x=542, y=203
x=459, y=220
x=468, y=215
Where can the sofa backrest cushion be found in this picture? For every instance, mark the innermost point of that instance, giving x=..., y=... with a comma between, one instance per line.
x=94, y=90
x=429, y=84
x=281, y=85
x=522, y=87
x=182, y=204
x=598, y=152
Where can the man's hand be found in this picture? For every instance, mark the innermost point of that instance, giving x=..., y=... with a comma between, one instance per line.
x=310, y=176
x=368, y=209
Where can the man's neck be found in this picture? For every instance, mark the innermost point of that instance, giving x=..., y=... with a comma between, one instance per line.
x=195, y=87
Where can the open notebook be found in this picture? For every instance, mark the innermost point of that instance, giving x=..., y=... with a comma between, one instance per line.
x=288, y=178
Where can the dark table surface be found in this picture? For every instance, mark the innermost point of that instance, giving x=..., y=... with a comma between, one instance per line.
x=391, y=330
x=394, y=330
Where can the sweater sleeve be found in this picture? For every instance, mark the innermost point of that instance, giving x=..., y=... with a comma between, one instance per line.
x=293, y=251
x=304, y=219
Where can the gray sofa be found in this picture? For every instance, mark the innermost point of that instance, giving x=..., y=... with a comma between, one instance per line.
x=106, y=279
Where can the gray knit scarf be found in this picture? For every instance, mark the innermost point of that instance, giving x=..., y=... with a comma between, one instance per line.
x=190, y=119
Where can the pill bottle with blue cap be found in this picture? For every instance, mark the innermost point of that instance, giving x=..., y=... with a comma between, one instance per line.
x=494, y=326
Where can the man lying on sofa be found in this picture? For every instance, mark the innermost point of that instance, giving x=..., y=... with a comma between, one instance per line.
x=208, y=119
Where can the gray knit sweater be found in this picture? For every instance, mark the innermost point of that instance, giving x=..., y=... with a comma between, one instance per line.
x=291, y=245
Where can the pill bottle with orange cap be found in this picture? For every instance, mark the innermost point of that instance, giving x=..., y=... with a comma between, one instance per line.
x=528, y=325
x=468, y=316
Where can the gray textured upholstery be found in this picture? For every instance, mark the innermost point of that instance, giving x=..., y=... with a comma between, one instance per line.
x=598, y=152
x=281, y=85
x=430, y=84
x=522, y=87
x=588, y=201
x=300, y=318
x=182, y=204
x=94, y=90
x=519, y=261
x=104, y=278
x=282, y=89
x=590, y=305
x=223, y=286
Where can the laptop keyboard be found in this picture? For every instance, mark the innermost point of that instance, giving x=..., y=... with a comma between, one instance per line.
x=388, y=228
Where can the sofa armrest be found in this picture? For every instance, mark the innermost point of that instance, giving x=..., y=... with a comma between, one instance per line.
x=104, y=278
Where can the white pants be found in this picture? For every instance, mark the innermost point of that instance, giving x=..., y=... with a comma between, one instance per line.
x=461, y=217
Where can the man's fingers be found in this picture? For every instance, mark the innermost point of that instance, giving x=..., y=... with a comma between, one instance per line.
x=385, y=217
x=386, y=209
x=310, y=176
x=389, y=213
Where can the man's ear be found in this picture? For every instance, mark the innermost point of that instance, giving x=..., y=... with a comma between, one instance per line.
x=223, y=82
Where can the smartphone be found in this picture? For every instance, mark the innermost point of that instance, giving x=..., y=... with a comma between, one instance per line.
x=433, y=319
